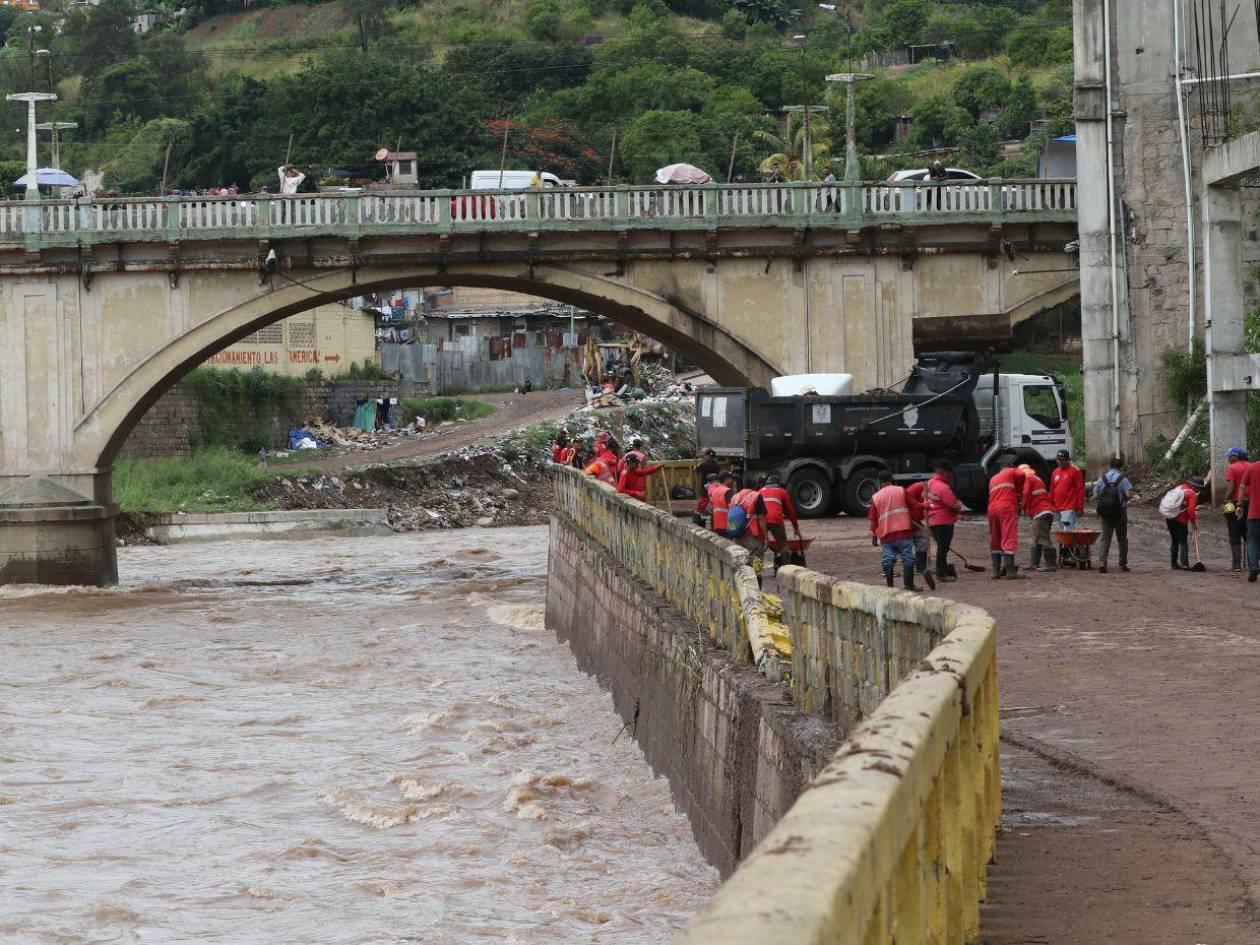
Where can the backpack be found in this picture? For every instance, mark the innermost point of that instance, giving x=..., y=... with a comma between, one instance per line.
x=736, y=522
x=1109, y=504
x=1173, y=502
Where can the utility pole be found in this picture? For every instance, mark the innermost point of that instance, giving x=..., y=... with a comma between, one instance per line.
x=56, y=127
x=852, y=166
x=31, y=97
x=807, y=158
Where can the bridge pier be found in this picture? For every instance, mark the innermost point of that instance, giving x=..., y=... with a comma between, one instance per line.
x=50, y=534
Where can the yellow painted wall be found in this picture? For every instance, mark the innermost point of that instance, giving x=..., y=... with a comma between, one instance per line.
x=330, y=337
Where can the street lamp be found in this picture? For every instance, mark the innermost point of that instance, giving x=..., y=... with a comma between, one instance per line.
x=30, y=97
x=807, y=158
x=852, y=166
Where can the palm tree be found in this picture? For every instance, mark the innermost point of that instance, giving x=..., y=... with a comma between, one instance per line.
x=789, y=148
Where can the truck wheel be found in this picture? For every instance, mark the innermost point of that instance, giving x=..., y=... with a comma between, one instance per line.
x=811, y=493
x=858, y=489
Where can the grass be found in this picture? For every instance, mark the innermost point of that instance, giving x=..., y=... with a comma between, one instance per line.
x=213, y=479
x=1067, y=368
x=437, y=410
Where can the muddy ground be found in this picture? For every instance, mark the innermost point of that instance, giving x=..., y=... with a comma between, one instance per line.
x=1130, y=705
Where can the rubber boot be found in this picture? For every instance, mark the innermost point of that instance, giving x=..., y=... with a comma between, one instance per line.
x=1012, y=569
x=1052, y=560
x=1034, y=559
x=888, y=575
x=907, y=577
x=997, y=564
x=945, y=577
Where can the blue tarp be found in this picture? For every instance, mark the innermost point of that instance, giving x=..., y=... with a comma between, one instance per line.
x=298, y=434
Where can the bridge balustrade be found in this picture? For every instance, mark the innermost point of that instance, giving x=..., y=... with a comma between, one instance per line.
x=796, y=205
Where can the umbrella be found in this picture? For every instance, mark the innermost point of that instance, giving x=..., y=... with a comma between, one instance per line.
x=682, y=174
x=49, y=177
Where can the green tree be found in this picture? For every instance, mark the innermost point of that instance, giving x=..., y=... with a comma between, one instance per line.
x=371, y=18
x=99, y=36
x=1020, y=110
x=656, y=138
x=138, y=167
x=938, y=123
x=904, y=20
x=980, y=88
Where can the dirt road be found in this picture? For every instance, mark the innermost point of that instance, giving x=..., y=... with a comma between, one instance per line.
x=1130, y=744
x=514, y=411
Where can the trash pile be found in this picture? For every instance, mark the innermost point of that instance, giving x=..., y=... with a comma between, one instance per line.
x=657, y=385
x=504, y=482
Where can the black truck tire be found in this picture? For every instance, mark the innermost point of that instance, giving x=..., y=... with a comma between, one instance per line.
x=862, y=483
x=811, y=492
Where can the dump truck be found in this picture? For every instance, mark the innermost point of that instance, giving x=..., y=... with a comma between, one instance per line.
x=829, y=450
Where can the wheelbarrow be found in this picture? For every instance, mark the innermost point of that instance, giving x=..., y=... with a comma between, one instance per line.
x=1076, y=543
x=795, y=550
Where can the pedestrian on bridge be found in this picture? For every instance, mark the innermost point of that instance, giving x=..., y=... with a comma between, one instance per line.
x=943, y=509
x=892, y=530
x=1038, y=507
x=1112, y=490
x=1005, y=489
x=290, y=178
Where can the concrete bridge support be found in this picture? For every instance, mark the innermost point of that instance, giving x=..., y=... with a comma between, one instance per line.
x=1231, y=373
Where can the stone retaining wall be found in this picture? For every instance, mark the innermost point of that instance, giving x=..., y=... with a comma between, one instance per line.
x=890, y=842
x=735, y=751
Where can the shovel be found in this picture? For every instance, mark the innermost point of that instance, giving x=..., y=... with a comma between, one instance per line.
x=967, y=564
x=1198, y=558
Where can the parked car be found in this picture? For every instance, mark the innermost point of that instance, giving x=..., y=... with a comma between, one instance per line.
x=921, y=173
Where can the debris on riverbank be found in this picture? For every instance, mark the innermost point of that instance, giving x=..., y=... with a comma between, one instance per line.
x=501, y=482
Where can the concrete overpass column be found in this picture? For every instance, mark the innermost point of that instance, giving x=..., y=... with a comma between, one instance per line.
x=56, y=519
x=1103, y=291
x=1223, y=234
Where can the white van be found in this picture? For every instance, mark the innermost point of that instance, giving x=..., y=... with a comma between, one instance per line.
x=510, y=180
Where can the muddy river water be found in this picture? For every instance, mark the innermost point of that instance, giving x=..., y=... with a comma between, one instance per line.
x=340, y=741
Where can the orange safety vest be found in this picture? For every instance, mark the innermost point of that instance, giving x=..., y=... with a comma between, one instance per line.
x=717, y=501
x=893, y=511
x=603, y=470
x=748, y=499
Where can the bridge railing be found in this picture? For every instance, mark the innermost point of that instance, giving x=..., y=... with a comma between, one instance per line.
x=614, y=208
x=891, y=842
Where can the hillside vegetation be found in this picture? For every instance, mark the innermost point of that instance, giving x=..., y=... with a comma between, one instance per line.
x=221, y=94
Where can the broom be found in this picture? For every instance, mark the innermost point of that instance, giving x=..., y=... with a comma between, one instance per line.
x=1198, y=557
x=966, y=564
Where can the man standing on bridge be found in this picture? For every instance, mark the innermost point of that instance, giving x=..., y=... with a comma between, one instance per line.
x=892, y=530
x=1005, y=489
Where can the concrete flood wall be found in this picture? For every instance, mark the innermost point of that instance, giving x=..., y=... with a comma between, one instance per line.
x=889, y=839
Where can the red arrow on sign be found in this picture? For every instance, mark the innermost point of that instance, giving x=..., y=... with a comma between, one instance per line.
x=334, y=358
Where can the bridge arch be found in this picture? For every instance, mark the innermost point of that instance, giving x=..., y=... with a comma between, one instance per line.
x=100, y=434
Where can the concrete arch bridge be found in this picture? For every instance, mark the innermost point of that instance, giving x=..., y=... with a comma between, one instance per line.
x=105, y=304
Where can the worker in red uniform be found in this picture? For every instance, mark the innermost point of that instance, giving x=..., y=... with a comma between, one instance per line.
x=1179, y=525
x=604, y=466
x=916, y=501
x=1236, y=525
x=1035, y=499
x=1005, y=488
x=892, y=530
x=754, y=536
x=636, y=449
x=943, y=509
x=633, y=478
x=1249, y=485
x=563, y=452
x=778, y=506
x=1067, y=492
x=720, y=493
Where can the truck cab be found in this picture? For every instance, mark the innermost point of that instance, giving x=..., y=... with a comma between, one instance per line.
x=1032, y=411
